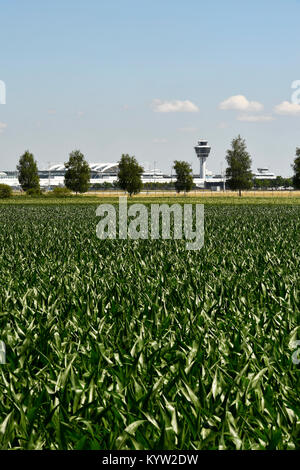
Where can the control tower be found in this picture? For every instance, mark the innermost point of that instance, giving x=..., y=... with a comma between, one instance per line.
x=202, y=150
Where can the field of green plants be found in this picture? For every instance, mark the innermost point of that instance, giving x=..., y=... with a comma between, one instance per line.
x=144, y=345
x=281, y=198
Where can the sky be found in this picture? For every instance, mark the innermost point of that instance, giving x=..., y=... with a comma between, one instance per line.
x=149, y=78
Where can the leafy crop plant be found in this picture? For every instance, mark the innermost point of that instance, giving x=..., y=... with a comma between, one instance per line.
x=120, y=344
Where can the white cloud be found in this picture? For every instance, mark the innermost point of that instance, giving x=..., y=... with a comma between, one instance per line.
x=160, y=141
x=253, y=118
x=287, y=108
x=175, y=106
x=241, y=103
x=3, y=126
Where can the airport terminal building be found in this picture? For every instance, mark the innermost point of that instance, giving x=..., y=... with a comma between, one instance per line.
x=54, y=175
x=104, y=173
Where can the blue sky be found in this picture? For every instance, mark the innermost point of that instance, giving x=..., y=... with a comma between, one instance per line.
x=149, y=78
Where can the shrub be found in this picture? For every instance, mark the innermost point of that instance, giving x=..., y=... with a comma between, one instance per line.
x=5, y=191
x=61, y=192
x=34, y=192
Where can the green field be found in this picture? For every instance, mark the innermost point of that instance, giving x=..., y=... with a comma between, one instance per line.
x=142, y=344
x=280, y=198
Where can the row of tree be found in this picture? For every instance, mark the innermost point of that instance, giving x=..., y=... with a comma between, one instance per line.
x=130, y=175
x=148, y=186
x=278, y=182
x=77, y=176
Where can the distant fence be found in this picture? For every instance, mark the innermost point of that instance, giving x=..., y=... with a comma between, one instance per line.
x=201, y=192
x=110, y=192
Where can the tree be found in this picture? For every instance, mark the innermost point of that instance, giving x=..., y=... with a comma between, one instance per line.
x=130, y=175
x=258, y=184
x=78, y=174
x=238, y=173
x=279, y=182
x=5, y=191
x=35, y=192
x=288, y=183
x=266, y=183
x=184, y=181
x=296, y=168
x=28, y=172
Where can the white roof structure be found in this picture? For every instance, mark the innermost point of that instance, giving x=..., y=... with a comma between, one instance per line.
x=103, y=167
x=59, y=167
x=99, y=167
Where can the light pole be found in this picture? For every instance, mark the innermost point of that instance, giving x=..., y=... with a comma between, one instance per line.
x=49, y=175
x=223, y=177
